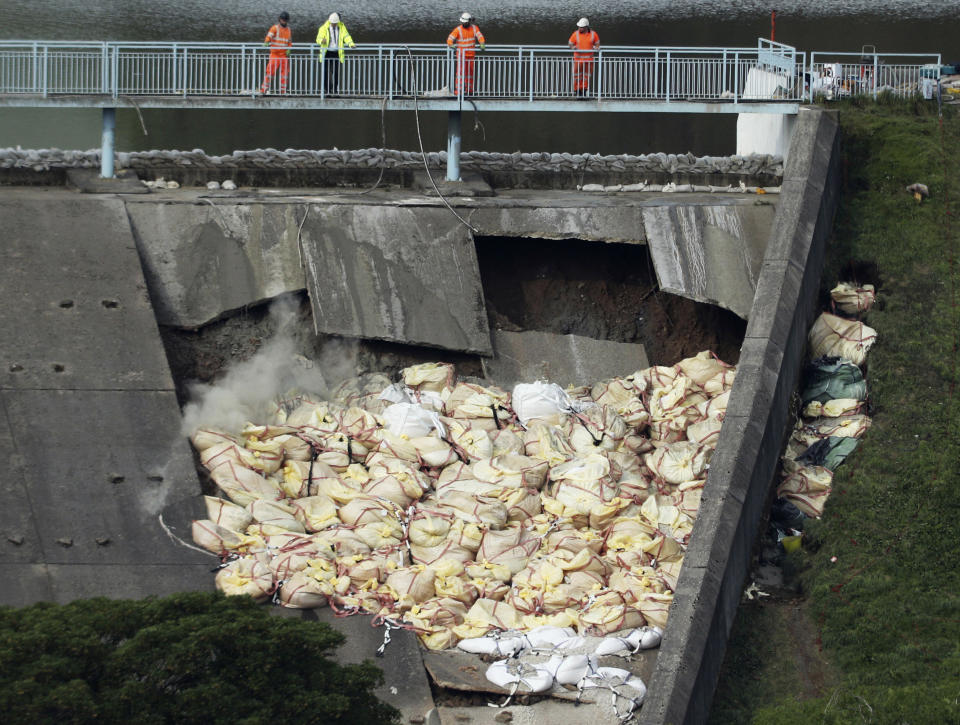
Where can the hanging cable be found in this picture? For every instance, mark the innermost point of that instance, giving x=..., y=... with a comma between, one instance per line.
x=423, y=153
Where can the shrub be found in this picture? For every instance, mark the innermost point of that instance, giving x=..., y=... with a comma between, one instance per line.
x=187, y=658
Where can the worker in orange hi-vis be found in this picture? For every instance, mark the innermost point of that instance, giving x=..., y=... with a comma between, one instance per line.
x=465, y=38
x=584, y=42
x=279, y=39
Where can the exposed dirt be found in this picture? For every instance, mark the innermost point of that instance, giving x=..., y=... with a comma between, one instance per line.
x=603, y=291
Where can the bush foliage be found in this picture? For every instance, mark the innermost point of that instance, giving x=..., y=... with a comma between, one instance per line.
x=187, y=658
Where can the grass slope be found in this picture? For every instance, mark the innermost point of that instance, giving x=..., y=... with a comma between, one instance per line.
x=888, y=610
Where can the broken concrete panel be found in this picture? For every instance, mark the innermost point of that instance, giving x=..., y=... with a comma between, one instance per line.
x=202, y=260
x=562, y=359
x=405, y=684
x=709, y=253
x=594, y=223
x=72, y=290
x=402, y=274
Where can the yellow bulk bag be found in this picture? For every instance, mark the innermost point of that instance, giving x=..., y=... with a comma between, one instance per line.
x=474, y=442
x=486, y=615
x=459, y=588
x=678, y=462
x=433, y=452
x=512, y=547
x=203, y=438
x=436, y=555
x=511, y=470
x=302, y=591
x=607, y=614
x=702, y=367
x=506, y=441
x=316, y=513
x=654, y=608
x=242, y=485
x=381, y=535
x=838, y=337
x=412, y=585
x=521, y=503
x=548, y=443
x=433, y=377
x=246, y=577
x=434, y=620
x=275, y=513
x=483, y=510
x=228, y=515
x=215, y=538
x=429, y=526
x=598, y=427
x=807, y=488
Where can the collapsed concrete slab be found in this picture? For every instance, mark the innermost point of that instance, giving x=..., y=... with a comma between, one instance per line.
x=395, y=273
x=709, y=253
x=562, y=359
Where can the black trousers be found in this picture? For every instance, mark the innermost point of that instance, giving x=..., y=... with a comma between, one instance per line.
x=331, y=72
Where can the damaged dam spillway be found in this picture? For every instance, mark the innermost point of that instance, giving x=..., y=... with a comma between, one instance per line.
x=260, y=268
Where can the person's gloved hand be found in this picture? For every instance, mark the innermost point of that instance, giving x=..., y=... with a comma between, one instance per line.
x=482, y=46
x=288, y=52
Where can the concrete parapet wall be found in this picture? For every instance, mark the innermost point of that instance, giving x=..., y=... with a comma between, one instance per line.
x=304, y=167
x=751, y=440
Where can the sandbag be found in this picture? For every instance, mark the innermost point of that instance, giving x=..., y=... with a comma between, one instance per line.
x=411, y=420
x=245, y=577
x=541, y=401
x=852, y=299
x=835, y=336
x=227, y=514
x=430, y=376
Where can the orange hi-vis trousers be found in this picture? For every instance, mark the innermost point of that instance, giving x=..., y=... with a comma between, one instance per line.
x=276, y=63
x=582, y=70
x=466, y=62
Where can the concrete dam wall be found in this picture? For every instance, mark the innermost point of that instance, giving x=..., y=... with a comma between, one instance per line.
x=91, y=424
x=405, y=269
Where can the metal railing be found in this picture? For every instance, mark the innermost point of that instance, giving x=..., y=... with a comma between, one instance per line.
x=531, y=73
x=839, y=75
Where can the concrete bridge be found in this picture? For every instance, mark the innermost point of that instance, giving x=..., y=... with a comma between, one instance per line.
x=763, y=85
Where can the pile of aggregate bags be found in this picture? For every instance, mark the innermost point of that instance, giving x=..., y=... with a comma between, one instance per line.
x=456, y=509
x=833, y=399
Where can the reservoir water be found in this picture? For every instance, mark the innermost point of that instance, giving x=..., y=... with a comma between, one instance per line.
x=829, y=25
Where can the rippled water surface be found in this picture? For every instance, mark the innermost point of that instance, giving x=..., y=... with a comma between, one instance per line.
x=890, y=25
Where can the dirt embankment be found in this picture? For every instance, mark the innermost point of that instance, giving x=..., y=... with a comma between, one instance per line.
x=603, y=291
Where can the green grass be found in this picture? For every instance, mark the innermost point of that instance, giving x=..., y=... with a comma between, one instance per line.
x=888, y=610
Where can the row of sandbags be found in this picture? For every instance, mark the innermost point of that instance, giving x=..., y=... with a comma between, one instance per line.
x=459, y=508
x=833, y=398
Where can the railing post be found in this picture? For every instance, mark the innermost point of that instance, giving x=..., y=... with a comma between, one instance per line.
x=873, y=78
x=104, y=69
x=392, y=72
x=656, y=72
x=736, y=77
x=43, y=73
x=107, y=142
x=453, y=146
x=243, y=68
x=184, y=73
x=115, y=71
x=532, y=78
x=668, y=78
x=599, y=74
x=35, y=75
x=520, y=71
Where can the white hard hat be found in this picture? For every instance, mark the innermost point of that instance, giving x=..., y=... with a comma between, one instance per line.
x=334, y=17
x=465, y=17
x=582, y=23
